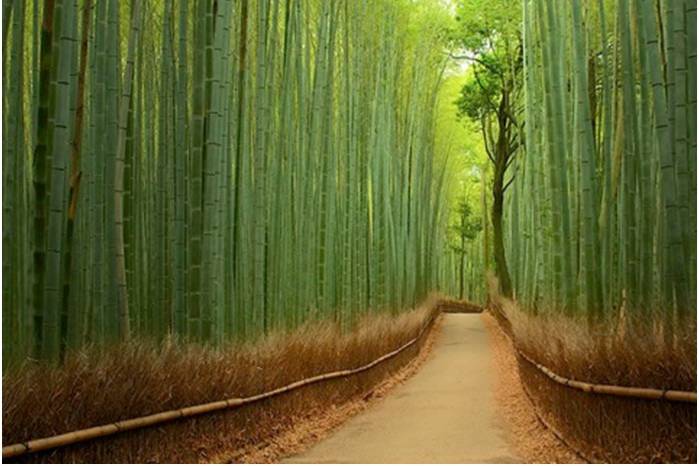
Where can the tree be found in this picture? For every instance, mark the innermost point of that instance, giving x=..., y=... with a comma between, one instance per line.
x=465, y=228
x=490, y=39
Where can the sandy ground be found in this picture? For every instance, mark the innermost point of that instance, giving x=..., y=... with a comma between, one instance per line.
x=446, y=413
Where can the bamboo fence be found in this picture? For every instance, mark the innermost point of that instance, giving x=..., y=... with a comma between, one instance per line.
x=601, y=389
x=82, y=435
x=70, y=438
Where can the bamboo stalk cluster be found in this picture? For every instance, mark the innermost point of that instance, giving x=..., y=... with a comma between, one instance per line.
x=215, y=169
x=603, y=209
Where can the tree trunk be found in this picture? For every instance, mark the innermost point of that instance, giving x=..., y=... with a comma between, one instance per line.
x=498, y=245
x=461, y=272
x=502, y=155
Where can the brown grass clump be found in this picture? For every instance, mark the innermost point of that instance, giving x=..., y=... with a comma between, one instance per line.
x=133, y=380
x=610, y=428
x=459, y=307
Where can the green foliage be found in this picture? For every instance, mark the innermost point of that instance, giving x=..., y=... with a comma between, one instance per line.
x=466, y=227
x=481, y=93
x=488, y=36
x=487, y=25
x=459, y=142
x=491, y=98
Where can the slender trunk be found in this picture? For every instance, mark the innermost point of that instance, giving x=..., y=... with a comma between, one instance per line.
x=498, y=244
x=124, y=103
x=40, y=161
x=75, y=176
x=501, y=158
x=462, y=255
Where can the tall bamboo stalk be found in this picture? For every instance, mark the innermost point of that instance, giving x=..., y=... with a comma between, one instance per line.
x=242, y=169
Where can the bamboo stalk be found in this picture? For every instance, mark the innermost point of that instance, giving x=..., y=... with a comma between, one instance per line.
x=124, y=103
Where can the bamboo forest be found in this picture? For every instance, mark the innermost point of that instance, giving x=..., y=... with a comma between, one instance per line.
x=229, y=226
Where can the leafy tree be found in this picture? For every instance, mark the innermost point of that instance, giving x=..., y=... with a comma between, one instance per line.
x=488, y=34
x=465, y=228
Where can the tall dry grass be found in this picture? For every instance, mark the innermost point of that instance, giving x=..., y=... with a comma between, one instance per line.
x=137, y=379
x=632, y=352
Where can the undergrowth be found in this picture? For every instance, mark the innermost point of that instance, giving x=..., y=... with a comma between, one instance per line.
x=632, y=353
x=137, y=379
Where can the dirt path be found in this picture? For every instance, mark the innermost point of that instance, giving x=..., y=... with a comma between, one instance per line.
x=444, y=414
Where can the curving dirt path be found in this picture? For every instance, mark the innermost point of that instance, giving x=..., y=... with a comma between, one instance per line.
x=445, y=413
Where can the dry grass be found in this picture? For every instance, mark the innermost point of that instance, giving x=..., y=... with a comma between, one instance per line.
x=137, y=379
x=459, y=307
x=629, y=355
x=307, y=430
x=635, y=354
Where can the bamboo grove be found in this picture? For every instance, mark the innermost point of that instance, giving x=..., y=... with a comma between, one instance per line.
x=602, y=214
x=215, y=169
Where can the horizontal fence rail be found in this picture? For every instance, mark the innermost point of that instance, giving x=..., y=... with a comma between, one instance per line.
x=632, y=392
x=602, y=389
x=615, y=390
x=83, y=435
x=448, y=306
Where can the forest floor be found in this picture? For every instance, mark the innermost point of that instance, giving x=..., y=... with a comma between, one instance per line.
x=448, y=412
